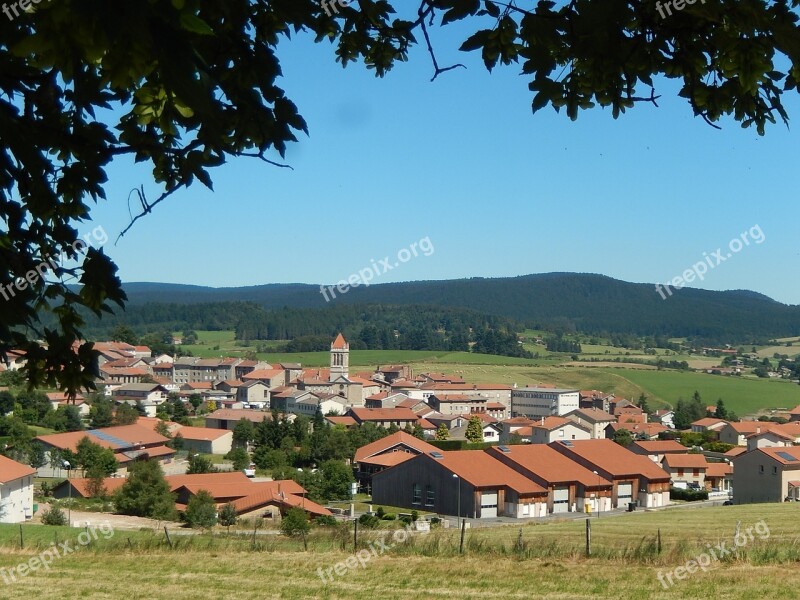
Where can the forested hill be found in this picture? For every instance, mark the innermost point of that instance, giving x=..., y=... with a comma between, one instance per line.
x=586, y=302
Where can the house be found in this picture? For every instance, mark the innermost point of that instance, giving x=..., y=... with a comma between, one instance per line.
x=227, y=418
x=272, y=378
x=635, y=478
x=310, y=403
x=767, y=438
x=385, y=400
x=552, y=429
x=384, y=417
x=128, y=442
x=719, y=477
x=468, y=483
x=148, y=395
x=571, y=487
x=543, y=402
x=767, y=475
x=736, y=433
x=794, y=414
x=657, y=450
x=686, y=470
x=490, y=392
x=206, y=439
x=390, y=373
x=519, y=426
x=254, y=394
x=384, y=453
x=594, y=419
x=16, y=491
x=59, y=399
x=666, y=417
x=708, y=424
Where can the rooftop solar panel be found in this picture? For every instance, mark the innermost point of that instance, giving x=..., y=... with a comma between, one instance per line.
x=786, y=456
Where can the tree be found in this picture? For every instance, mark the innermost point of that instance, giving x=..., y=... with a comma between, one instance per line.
x=93, y=457
x=295, y=523
x=184, y=86
x=227, y=516
x=101, y=413
x=145, y=493
x=442, y=433
x=337, y=478
x=125, y=415
x=642, y=403
x=122, y=333
x=163, y=429
x=96, y=486
x=201, y=511
x=239, y=457
x=199, y=464
x=623, y=437
x=243, y=433
x=474, y=432
x=721, y=412
x=37, y=457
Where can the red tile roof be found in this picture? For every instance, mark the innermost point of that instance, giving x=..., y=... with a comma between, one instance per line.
x=346, y=421
x=484, y=471
x=685, y=461
x=392, y=443
x=263, y=374
x=339, y=343
x=719, y=469
x=128, y=436
x=11, y=470
x=202, y=434
x=661, y=446
x=548, y=464
x=612, y=458
x=383, y=414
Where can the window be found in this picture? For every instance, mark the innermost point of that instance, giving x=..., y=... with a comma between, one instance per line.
x=774, y=470
x=680, y=472
x=760, y=468
x=417, y=497
x=696, y=472
x=430, y=496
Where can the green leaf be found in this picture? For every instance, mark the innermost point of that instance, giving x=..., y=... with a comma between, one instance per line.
x=195, y=24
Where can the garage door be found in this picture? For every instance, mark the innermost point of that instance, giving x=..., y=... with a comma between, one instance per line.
x=561, y=500
x=488, y=504
x=624, y=493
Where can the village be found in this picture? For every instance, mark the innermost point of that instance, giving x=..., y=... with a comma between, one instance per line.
x=444, y=446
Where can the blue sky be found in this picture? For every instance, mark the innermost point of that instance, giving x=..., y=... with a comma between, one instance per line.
x=498, y=191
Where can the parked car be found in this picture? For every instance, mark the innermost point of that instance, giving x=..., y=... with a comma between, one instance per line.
x=251, y=470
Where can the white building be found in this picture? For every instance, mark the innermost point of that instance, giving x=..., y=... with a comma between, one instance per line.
x=540, y=402
x=16, y=491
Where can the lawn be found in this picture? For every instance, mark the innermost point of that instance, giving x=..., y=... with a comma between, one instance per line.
x=742, y=395
x=549, y=562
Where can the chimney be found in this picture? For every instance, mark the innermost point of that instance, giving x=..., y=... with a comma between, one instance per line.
x=542, y=421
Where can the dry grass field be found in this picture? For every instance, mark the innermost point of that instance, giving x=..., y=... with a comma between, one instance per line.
x=550, y=562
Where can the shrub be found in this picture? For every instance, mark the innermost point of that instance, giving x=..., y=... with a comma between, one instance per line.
x=54, y=516
x=389, y=517
x=687, y=495
x=368, y=521
x=326, y=521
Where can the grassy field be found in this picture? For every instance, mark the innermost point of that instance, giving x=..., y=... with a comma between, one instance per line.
x=548, y=563
x=743, y=396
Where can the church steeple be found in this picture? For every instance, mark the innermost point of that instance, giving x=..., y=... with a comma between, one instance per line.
x=340, y=358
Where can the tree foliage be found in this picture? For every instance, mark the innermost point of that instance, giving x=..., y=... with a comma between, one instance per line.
x=474, y=432
x=145, y=493
x=184, y=86
x=201, y=511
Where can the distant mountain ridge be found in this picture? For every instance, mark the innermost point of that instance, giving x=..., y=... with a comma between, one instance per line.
x=589, y=302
